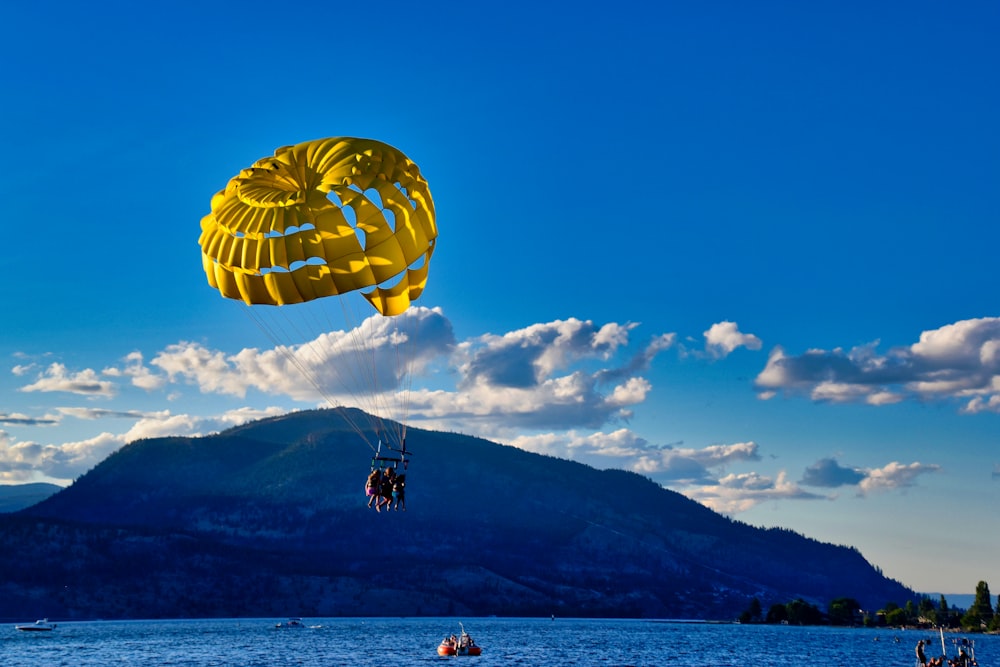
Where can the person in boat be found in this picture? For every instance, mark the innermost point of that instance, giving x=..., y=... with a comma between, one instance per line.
x=373, y=486
x=921, y=656
x=399, y=492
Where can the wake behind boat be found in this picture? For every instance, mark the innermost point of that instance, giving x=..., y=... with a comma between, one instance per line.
x=42, y=625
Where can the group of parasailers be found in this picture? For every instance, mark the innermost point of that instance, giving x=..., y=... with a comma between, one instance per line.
x=385, y=488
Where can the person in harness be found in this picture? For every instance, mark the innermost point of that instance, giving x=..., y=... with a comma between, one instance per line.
x=373, y=486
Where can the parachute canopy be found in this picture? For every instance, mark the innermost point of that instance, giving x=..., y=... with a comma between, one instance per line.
x=322, y=218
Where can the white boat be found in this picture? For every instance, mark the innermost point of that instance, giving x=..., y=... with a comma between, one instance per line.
x=42, y=625
x=291, y=623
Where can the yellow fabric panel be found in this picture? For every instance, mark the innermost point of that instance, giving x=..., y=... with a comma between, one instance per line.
x=412, y=238
x=281, y=288
x=352, y=272
x=253, y=235
x=252, y=289
x=418, y=277
x=214, y=244
x=339, y=245
x=390, y=301
x=394, y=300
x=386, y=259
x=370, y=221
x=314, y=282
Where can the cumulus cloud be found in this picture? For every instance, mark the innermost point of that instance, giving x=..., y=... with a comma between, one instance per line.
x=959, y=362
x=526, y=357
x=140, y=375
x=723, y=338
x=989, y=403
x=829, y=473
x=551, y=388
x=893, y=476
x=697, y=472
x=737, y=493
x=339, y=366
x=563, y=374
x=166, y=424
x=624, y=449
x=20, y=461
x=56, y=377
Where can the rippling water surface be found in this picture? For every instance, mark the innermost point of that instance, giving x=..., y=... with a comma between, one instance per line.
x=505, y=641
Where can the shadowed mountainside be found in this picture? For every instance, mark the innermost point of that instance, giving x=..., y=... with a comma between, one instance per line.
x=269, y=519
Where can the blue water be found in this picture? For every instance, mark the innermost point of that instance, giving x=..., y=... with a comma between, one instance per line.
x=383, y=642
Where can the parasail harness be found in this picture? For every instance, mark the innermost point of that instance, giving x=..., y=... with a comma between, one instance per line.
x=384, y=462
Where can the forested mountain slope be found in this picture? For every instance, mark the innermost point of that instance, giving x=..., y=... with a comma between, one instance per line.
x=270, y=518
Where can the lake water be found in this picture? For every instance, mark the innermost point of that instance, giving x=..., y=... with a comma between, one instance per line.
x=393, y=641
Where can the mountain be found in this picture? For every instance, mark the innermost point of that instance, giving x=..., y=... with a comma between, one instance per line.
x=270, y=519
x=14, y=497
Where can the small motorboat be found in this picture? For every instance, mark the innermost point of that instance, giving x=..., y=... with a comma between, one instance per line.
x=464, y=644
x=42, y=625
x=291, y=623
x=448, y=646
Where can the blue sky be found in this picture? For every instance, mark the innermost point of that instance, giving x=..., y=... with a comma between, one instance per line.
x=747, y=249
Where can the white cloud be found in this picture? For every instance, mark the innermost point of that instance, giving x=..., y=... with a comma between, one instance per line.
x=737, y=493
x=845, y=392
x=167, y=424
x=140, y=374
x=957, y=361
x=21, y=460
x=893, y=476
x=56, y=377
x=19, y=419
x=544, y=377
x=100, y=413
x=983, y=404
x=17, y=459
x=624, y=449
x=723, y=338
x=340, y=365
x=525, y=357
x=549, y=388
x=560, y=374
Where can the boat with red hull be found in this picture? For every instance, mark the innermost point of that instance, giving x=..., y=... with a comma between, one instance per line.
x=463, y=645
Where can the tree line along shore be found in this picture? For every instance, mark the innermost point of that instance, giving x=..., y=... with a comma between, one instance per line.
x=981, y=616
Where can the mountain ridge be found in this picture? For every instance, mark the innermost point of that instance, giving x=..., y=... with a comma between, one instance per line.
x=269, y=518
x=14, y=497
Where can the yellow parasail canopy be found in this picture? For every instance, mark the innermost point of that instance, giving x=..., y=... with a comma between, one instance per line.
x=322, y=218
